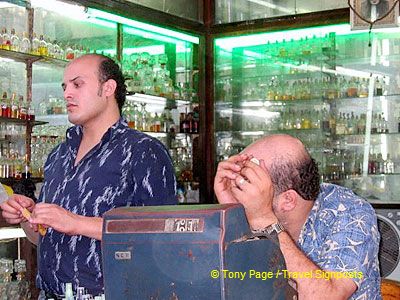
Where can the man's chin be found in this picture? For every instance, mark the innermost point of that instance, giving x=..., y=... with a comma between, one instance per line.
x=74, y=119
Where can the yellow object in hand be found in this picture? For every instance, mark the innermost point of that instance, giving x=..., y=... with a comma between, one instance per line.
x=27, y=215
x=8, y=190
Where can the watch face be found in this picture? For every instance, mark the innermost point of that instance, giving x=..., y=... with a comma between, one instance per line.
x=277, y=228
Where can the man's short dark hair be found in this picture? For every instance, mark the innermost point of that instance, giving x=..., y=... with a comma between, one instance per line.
x=300, y=175
x=109, y=69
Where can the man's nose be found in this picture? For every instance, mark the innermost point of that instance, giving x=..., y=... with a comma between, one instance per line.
x=67, y=93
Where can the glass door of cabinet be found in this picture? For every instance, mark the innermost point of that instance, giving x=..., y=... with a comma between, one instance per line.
x=324, y=85
x=161, y=74
x=160, y=66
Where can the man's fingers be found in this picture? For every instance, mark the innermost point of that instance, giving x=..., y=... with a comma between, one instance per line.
x=25, y=201
x=12, y=208
x=238, y=157
x=228, y=165
x=9, y=216
x=240, y=183
x=238, y=193
x=226, y=174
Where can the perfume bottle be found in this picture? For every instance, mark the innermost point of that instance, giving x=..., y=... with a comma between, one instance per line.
x=69, y=53
x=6, y=40
x=35, y=45
x=15, y=41
x=25, y=45
x=43, y=50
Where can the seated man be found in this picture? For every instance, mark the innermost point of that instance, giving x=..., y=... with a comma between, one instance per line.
x=319, y=227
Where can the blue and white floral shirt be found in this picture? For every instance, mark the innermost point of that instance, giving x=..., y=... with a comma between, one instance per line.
x=127, y=168
x=341, y=235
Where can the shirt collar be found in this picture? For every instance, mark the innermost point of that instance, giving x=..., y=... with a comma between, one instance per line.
x=310, y=219
x=74, y=134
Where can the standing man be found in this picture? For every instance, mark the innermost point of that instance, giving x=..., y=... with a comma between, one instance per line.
x=103, y=164
x=328, y=235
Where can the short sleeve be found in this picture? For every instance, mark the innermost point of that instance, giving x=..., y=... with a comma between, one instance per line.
x=353, y=243
x=153, y=174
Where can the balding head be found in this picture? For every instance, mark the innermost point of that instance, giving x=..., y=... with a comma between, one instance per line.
x=289, y=164
x=91, y=61
x=277, y=146
x=106, y=69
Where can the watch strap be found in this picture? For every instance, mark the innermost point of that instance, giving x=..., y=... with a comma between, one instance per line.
x=270, y=232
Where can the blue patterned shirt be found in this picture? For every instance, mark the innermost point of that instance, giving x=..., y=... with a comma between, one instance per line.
x=127, y=168
x=341, y=235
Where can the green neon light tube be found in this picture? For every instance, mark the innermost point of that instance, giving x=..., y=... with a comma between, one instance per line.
x=140, y=25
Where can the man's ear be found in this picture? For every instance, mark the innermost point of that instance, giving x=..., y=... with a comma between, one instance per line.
x=109, y=87
x=289, y=200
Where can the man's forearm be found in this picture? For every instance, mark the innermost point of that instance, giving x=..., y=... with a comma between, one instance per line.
x=32, y=235
x=314, y=287
x=91, y=227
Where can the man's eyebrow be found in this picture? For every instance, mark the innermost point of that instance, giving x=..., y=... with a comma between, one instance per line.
x=63, y=85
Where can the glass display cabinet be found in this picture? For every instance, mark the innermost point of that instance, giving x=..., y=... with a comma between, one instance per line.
x=337, y=90
x=37, y=40
x=13, y=269
x=160, y=65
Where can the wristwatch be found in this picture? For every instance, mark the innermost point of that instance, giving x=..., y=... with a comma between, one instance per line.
x=275, y=228
x=270, y=231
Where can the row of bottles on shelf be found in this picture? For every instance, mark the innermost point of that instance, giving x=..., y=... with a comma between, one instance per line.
x=13, y=161
x=51, y=106
x=347, y=124
x=12, y=132
x=13, y=167
x=149, y=75
x=41, y=146
x=168, y=121
x=340, y=124
x=304, y=47
x=341, y=165
x=182, y=159
x=278, y=89
x=13, y=283
x=183, y=151
x=16, y=108
x=39, y=46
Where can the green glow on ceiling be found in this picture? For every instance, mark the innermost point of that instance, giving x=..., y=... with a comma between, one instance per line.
x=228, y=43
x=151, y=35
x=102, y=23
x=156, y=30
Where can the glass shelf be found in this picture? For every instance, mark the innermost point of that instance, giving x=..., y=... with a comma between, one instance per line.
x=356, y=177
x=257, y=103
x=263, y=132
x=152, y=99
x=372, y=134
x=21, y=122
x=26, y=57
x=56, y=119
